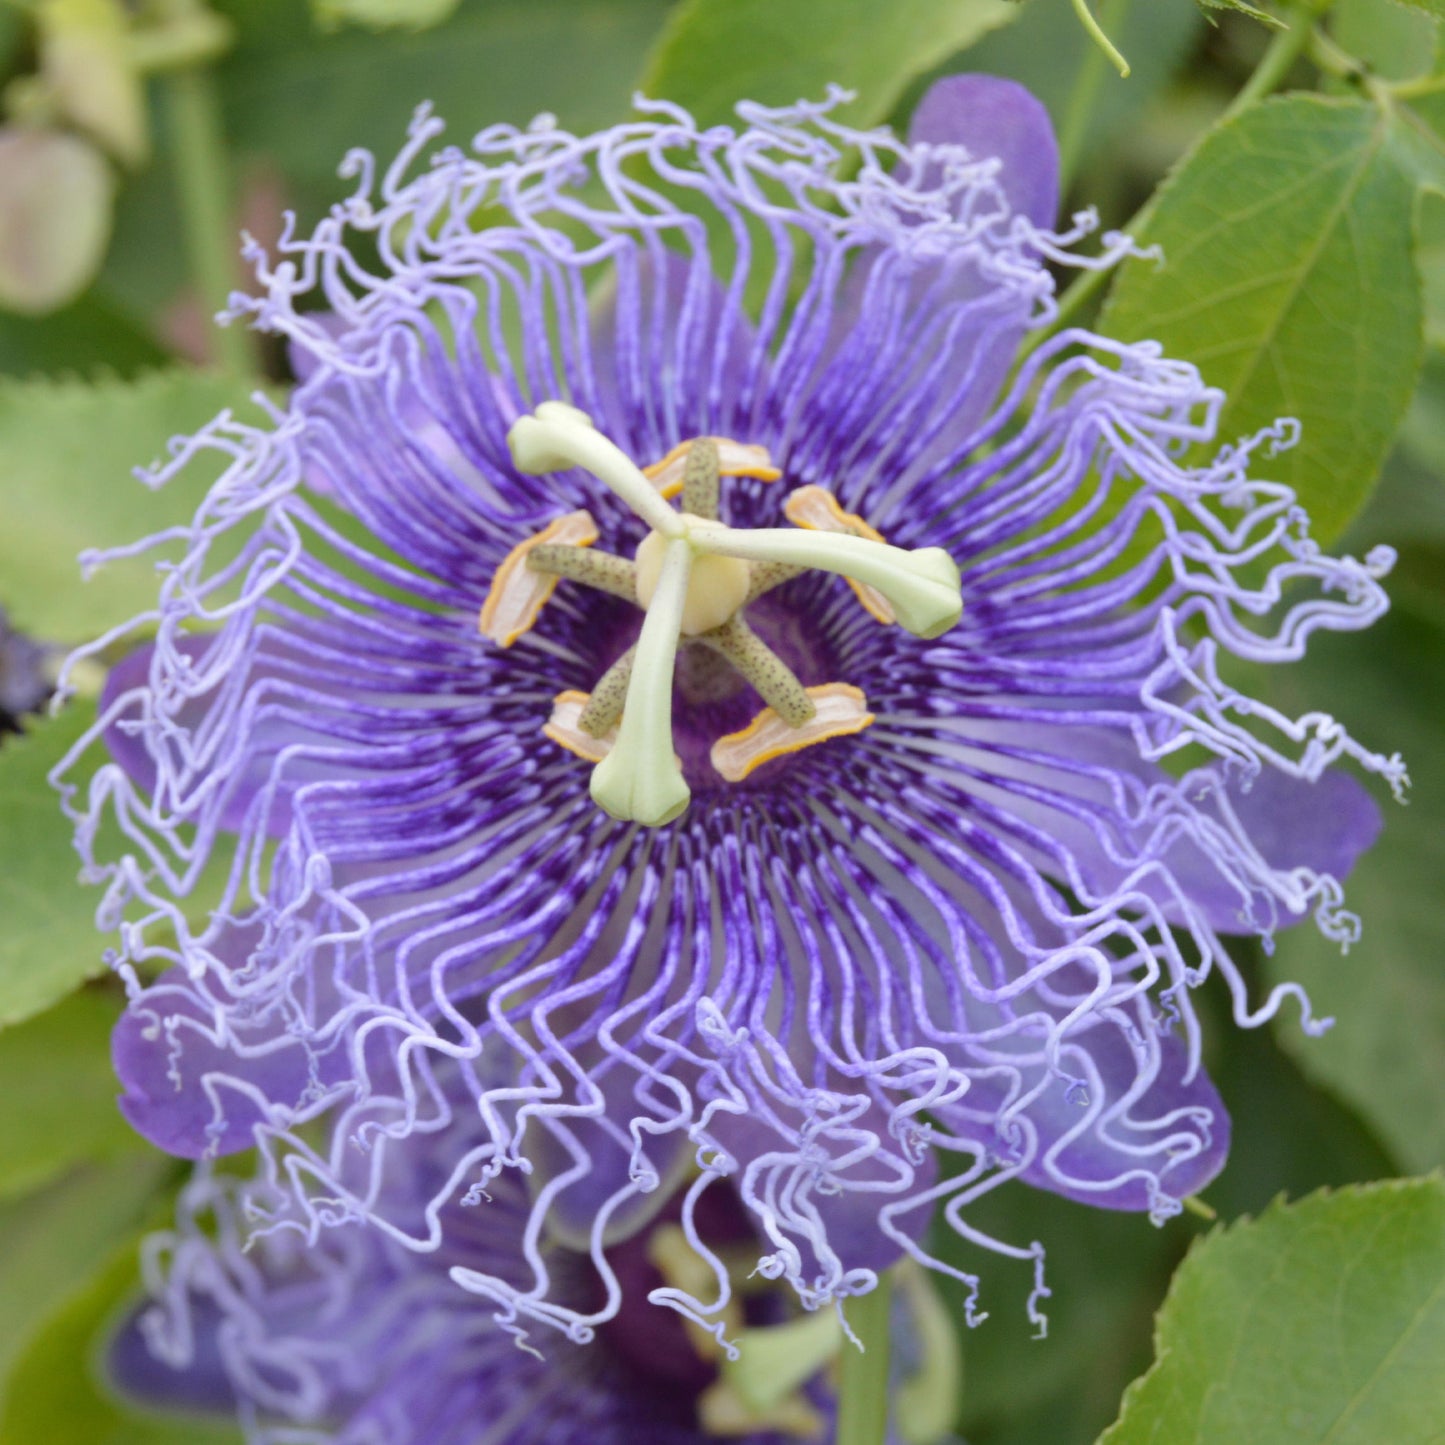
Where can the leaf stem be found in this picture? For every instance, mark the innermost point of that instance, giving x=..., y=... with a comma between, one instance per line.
x=863, y=1386
x=1274, y=65
x=1420, y=88
x=207, y=224
x=1075, y=128
x=1086, y=19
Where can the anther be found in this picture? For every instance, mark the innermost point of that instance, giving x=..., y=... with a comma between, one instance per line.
x=735, y=459
x=838, y=711
x=519, y=592
x=817, y=510
x=565, y=728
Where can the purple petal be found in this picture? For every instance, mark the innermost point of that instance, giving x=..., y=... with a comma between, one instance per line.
x=1324, y=825
x=1201, y=846
x=990, y=116
x=667, y=324
x=191, y=1095
x=1173, y=1137
x=848, y=1214
x=276, y=669
x=306, y=360
x=201, y=1384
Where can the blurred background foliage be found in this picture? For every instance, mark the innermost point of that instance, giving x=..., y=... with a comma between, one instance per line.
x=1306, y=244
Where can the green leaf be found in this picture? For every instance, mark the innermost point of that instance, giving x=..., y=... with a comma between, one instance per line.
x=299, y=100
x=49, y=945
x=66, y=454
x=1242, y=6
x=1408, y=507
x=1322, y=1321
x=1393, y=41
x=1386, y=1052
x=10, y=36
x=715, y=53
x=55, y=1392
x=1430, y=7
x=1288, y=279
x=57, y=1239
x=1109, y=1272
x=80, y=339
x=59, y=1091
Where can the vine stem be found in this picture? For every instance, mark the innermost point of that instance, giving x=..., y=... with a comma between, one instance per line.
x=863, y=1386
x=1284, y=49
x=207, y=224
x=1105, y=45
x=1075, y=128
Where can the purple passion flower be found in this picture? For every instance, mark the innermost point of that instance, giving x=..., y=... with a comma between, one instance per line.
x=361, y=1337
x=855, y=831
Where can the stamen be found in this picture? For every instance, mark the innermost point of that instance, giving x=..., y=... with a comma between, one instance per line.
x=767, y=575
x=775, y=1360
x=925, y=1403
x=565, y=728
x=557, y=436
x=670, y=1252
x=518, y=592
x=693, y=576
x=768, y=673
x=604, y=711
x=922, y=585
x=700, y=479
x=587, y=565
x=841, y=710
x=817, y=510
x=735, y=459
x=639, y=780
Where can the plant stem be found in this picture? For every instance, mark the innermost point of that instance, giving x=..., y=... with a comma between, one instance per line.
x=1286, y=47
x=207, y=224
x=1075, y=128
x=863, y=1392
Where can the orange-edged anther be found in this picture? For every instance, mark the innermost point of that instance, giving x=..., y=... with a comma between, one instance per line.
x=840, y=709
x=518, y=592
x=735, y=459
x=565, y=728
x=817, y=510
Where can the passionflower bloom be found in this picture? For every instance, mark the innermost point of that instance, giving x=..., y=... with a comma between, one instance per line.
x=360, y=1337
x=668, y=661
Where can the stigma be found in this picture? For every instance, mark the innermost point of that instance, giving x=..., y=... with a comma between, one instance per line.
x=693, y=577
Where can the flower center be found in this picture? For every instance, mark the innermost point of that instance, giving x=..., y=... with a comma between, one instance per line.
x=716, y=587
x=693, y=577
